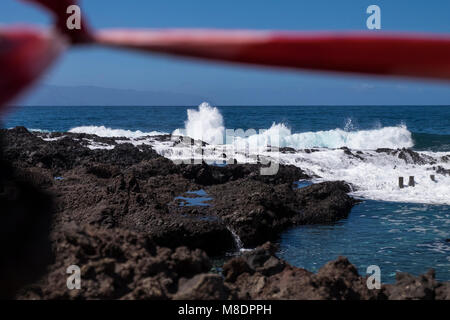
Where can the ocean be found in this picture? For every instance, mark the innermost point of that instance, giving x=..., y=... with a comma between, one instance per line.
x=400, y=230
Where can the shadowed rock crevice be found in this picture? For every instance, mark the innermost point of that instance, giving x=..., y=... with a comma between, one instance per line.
x=25, y=220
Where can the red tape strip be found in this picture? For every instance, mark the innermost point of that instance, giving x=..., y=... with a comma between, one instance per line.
x=24, y=56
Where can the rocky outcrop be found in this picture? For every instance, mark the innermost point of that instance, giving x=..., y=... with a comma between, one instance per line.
x=408, y=155
x=115, y=264
x=259, y=274
x=424, y=287
x=119, y=264
x=68, y=151
x=136, y=189
x=115, y=214
x=211, y=175
x=324, y=203
x=257, y=211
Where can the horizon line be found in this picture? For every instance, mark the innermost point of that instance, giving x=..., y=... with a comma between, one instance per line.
x=244, y=105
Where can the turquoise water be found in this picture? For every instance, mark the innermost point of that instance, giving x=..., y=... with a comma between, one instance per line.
x=395, y=236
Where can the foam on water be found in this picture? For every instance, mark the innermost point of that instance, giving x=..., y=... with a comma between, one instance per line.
x=388, y=137
x=103, y=131
x=374, y=174
x=205, y=124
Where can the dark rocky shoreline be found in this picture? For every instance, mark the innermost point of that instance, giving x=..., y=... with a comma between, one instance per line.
x=116, y=214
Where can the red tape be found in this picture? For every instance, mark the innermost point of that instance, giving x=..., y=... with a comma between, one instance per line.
x=25, y=54
x=364, y=52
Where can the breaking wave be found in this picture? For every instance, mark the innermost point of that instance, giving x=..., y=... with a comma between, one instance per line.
x=103, y=131
x=373, y=173
x=207, y=124
x=387, y=137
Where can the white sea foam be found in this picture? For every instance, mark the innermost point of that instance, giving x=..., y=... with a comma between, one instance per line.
x=387, y=137
x=374, y=174
x=205, y=124
x=103, y=131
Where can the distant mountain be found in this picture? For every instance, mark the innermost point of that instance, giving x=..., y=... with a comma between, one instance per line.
x=304, y=94
x=89, y=95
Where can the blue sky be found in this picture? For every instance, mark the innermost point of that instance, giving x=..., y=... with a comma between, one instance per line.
x=234, y=85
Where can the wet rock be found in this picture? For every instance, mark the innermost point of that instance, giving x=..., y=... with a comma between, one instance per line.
x=258, y=212
x=442, y=170
x=212, y=175
x=324, y=203
x=408, y=155
x=310, y=150
x=287, y=150
x=349, y=153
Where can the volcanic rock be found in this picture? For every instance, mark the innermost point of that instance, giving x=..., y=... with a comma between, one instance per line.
x=115, y=264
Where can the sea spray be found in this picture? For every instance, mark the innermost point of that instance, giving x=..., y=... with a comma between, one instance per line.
x=387, y=137
x=103, y=131
x=205, y=124
x=374, y=174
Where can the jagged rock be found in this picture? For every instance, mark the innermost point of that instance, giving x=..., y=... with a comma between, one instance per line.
x=324, y=202
x=408, y=287
x=408, y=155
x=134, y=188
x=115, y=264
x=115, y=209
x=258, y=212
x=202, y=287
x=211, y=175
x=336, y=280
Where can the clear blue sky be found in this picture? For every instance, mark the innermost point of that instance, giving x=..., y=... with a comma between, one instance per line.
x=225, y=85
